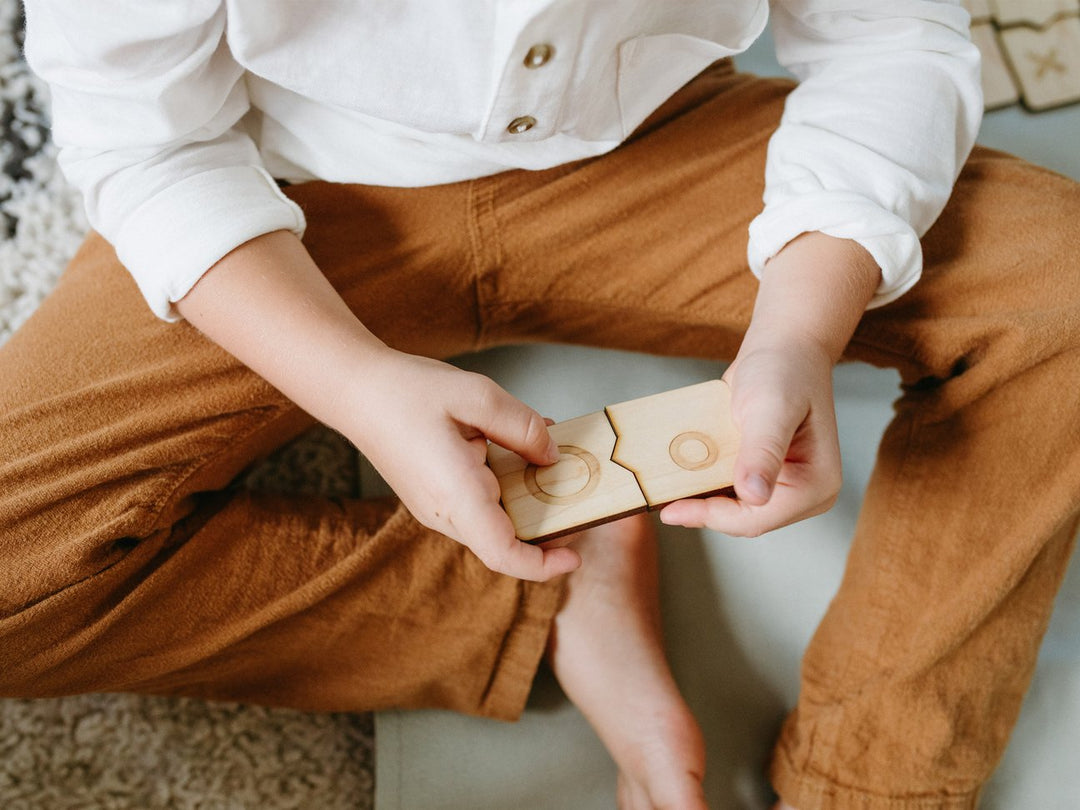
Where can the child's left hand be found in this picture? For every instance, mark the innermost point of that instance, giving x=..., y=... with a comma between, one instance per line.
x=788, y=464
x=812, y=295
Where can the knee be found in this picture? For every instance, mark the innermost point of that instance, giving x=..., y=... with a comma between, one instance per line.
x=999, y=292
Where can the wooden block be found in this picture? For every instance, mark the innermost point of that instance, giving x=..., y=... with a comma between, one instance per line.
x=632, y=456
x=679, y=444
x=583, y=488
x=1036, y=13
x=999, y=88
x=978, y=9
x=1046, y=61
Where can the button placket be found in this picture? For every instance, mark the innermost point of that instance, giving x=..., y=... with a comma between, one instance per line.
x=523, y=123
x=536, y=57
x=535, y=73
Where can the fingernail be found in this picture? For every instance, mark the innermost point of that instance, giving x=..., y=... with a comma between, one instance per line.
x=758, y=487
x=553, y=453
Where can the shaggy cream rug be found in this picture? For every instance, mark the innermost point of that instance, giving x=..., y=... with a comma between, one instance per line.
x=124, y=751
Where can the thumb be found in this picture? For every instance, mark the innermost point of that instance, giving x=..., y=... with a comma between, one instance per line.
x=767, y=428
x=512, y=424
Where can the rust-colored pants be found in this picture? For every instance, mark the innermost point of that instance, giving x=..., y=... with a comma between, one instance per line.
x=128, y=564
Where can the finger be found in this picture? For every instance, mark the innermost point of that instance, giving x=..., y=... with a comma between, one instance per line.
x=736, y=518
x=486, y=529
x=766, y=431
x=512, y=424
x=558, y=542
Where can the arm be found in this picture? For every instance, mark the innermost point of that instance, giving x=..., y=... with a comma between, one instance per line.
x=874, y=136
x=864, y=159
x=146, y=104
x=320, y=356
x=269, y=305
x=811, y=297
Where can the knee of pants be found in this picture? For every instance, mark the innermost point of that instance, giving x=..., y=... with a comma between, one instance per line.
x=999, y=295
x=53, y=537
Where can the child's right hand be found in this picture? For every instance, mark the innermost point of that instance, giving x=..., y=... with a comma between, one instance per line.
x=423, y=424
x=425, y=427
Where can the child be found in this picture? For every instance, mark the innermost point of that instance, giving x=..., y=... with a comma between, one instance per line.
x=507, y=172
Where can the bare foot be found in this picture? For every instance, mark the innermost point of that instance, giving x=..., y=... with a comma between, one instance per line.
x=607, y=652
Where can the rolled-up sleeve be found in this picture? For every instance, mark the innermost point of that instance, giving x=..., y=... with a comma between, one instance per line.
x=873, y=138
x=148, y=107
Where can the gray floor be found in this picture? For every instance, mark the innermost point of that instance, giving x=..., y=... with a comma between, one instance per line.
x=738, y=613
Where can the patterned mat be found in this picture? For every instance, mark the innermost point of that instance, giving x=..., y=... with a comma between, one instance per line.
x=122, y=751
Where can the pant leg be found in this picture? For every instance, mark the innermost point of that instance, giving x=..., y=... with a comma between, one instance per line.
x=971, y=513
x=914, y=679
x=128, y=564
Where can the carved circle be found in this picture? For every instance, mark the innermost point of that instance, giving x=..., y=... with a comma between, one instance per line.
x=693, y=450
x=555, y=484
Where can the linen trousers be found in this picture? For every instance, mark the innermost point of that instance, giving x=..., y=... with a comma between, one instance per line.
x=130, y=563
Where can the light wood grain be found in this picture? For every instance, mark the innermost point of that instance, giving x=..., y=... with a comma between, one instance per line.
x=999, y=88
x=583, y=488
x=632, y=456
x=978, y=9
x=680, y=444
x=1035, y=13
x=1046, y=61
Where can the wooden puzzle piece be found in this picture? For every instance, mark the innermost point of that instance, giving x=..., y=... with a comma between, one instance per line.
x=583, y=488
x=679, y=444
x=999, y=89
x=1035, y=13
x=1046, y=61
x=1030, y=51
x=978, y=9
x=632, y=456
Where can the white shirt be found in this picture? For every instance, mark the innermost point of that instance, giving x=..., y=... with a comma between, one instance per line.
x=173, y=117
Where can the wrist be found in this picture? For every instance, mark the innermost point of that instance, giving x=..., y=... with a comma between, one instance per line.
x=269, y=306
x=813, y=294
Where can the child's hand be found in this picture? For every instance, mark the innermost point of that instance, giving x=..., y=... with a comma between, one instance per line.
x=425, y=426
x=788, y=464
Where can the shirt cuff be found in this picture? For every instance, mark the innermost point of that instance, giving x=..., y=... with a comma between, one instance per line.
x=171, y=240
x=889, y=239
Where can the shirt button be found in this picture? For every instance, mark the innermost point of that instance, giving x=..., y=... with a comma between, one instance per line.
x=539, y=55
x=522, y=124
